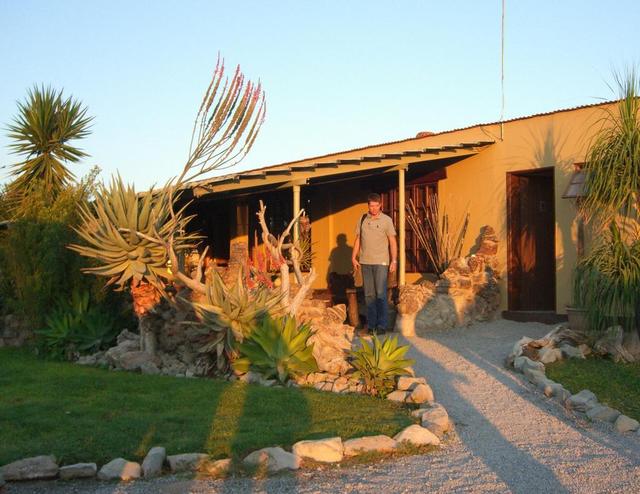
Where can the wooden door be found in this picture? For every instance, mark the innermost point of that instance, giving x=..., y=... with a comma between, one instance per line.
x=531, y=240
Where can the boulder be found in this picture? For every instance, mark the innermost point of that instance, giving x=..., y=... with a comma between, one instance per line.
x=152, y=464
x=400, y=396
x=418, y=436
x=522, y=363
x=409, y=383
x=380, y=444
x=34, y=468
x=582, y=401
x=436, y=419
x=516, y=351
x=215, y=468
x=186, y=462
x=120, y=469
x=626, y=424
x=535, y=376
x=603, y=413
x=78, y=471
x=548, y=355
x=422, y=393
x=133, y=361
x=322, y=450
x=331, y=343
x=570, y=351
x=274, y=459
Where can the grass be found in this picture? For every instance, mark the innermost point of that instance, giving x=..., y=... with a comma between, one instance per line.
x=88, y=414
x=616, y=385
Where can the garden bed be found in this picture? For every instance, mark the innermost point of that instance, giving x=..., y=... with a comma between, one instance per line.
x=615, y=384
x=89, y=414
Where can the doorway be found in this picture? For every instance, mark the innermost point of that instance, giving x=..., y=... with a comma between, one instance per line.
x=531, y=240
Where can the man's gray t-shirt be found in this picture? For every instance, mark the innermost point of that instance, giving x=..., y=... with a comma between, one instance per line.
x=374, y=239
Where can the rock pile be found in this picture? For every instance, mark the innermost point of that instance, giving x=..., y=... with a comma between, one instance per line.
x=529, y=357
x=466, y=292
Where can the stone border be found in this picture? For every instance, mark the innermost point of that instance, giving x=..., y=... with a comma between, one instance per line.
x=272, y=459
x=434, y=424
x=584, y=402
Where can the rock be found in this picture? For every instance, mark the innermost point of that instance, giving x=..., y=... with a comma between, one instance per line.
x=78, y=471
x=436, y=419
x=417, y=414
x=215, y=468
x=2, y=483
x=626, y=424
x=126, y=335
x=251, y=377
x=408, y=383
x=380, y=444
x=582, y=401
x=149, y=368
x=274, y=459
x=603, y=413
x=546, y=386
x=322, y=450
x=517, y=347
x=422, y=393
x=186, y=462
x=611, y=343
x=549, y=355
x=34, y=468
x=561, y=394
x=535, y=376
x=400, y=396
x=331, y=343
x=152, y=464
x=120, y=469
x=418, y=436
x=571, y=351
x=523, y=363
x=133, y=361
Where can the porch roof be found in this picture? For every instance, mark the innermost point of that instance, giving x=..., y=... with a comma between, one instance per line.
x=300, y=172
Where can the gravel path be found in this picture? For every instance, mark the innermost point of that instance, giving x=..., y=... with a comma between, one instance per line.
x=510, y=438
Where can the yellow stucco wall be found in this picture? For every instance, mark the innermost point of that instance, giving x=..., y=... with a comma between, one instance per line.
x=478, y=183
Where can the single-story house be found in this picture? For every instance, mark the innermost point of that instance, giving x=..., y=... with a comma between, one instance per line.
x=510, y=175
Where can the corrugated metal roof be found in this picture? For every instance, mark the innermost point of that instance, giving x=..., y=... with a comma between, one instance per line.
x=290, y=166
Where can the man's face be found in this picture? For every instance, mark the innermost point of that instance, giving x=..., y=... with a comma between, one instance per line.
x=374, y=208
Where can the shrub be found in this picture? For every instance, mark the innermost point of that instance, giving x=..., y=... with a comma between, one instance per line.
x=379, y=363
x=76, y=327
x=278, y=349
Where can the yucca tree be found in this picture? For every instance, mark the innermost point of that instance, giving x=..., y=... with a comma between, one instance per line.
x=607, y=281
x=43, y=130
x=135, y=238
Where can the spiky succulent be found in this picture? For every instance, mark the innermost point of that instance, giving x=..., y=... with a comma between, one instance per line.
x=127, y=234
x=379, y=363
x=278, y=349
x=236, y=307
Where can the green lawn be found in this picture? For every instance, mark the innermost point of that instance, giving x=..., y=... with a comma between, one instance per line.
x=87, y=414
x=616, y=385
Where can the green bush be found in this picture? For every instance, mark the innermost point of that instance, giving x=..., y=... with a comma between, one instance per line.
x=36, y=267
x=76, y=327
x=379, y=363
x=278, y=349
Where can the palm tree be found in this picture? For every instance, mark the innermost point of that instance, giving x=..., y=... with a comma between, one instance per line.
x=45, y=124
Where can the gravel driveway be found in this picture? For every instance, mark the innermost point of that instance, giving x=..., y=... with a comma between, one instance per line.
x=510, y=438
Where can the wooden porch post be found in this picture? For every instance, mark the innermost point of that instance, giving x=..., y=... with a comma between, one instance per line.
x=401, y=228
x=296, y=210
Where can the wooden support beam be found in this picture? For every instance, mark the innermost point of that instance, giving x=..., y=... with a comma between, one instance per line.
x=402, y=256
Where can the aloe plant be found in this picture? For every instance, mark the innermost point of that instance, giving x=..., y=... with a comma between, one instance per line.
x=277, y=348
x=228, y=315
x=379, y=363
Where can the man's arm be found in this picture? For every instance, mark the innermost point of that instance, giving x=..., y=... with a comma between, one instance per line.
x=393, y=247
x=355, y=252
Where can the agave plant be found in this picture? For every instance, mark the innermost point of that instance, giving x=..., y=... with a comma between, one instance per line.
x=278, y=349
x=379, y=363
x=229, y=315
x=45, y=124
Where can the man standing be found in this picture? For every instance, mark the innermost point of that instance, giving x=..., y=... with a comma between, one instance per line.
x=375, y=238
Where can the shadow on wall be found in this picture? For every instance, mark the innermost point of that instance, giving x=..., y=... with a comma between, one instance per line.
x=339, y=273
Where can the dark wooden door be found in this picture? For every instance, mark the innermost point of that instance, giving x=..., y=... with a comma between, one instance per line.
x=531, y=240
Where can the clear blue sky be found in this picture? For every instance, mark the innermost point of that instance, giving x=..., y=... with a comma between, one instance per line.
x=338, y=74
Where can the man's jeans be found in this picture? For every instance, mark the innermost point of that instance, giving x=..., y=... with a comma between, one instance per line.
x=374, y=277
